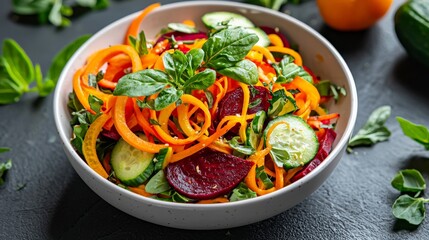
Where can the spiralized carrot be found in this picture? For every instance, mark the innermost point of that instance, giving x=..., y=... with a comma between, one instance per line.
x=133, y=29
x=289, y=51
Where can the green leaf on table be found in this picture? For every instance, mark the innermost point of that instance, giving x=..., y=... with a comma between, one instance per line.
x=141, y=83
x=409, y=209
x=158, y=183
x=241, y=192
x=180, y=27
x=27, y=7
x=244, y=71
x=418, y=133
x=17, y=63
x=44, y=87
x=237, y=146
x=374, y=130
x=62, y=57
x=56, y=14
x=4, y=167
x=139, y=43
x=200, y=81
x=4, y=149
x=409, y=180
x=166, y=97
x=94, y=4
x=10, y=91
x=227, y=47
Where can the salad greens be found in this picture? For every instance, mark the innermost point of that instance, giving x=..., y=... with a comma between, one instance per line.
x=55, y=12
x=287, y=70
x=222, y=52
x=17, y=72
x=374, y=130
x=4, y=167
x=418, y=133
x=406, y=207
x=328, y=89
x=241, y=192
x=273, y=4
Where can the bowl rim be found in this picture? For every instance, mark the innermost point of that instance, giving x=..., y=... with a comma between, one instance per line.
x=57, y=104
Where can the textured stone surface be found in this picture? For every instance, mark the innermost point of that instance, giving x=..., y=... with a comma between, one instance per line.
x=353, y=204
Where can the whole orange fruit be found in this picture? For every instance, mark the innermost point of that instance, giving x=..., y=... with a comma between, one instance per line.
x=352, y=15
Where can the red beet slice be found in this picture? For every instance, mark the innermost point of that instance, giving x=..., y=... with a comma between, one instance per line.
x=324, y=149
x=179, y=36
x=207, y=174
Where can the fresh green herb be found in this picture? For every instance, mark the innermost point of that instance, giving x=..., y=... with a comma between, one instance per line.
x=287, y=70
x=244, y=71
x=166, y=97
x=418, y=133
x=139, y=43
x=261, y=174
x=154, y=122
x=195, y=58
x=157, y=184
x=4, y=149
x=241, y=192
x=17, y=72
x=408, y=208
x=273, y=4
x=20, y=186
x=409, y=180
x=374, y=130
x=200, y=81
x=180, y=27
x=237, y=146
x=4, y=167
x=281, y=104
x=328, y=89
x=54, y=11
x=255, y=103
x=210, y=98
x=142, y=83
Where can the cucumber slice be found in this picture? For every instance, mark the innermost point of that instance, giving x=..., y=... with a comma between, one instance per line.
x=294, y=143
x=132, y=166
x=264, y=41
x=216, y=20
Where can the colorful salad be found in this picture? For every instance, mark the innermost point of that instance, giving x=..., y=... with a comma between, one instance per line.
x=195, y=116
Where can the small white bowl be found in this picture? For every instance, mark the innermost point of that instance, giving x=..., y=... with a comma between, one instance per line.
x=317, y=53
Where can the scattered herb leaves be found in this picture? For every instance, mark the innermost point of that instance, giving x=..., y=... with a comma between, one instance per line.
x=4, y=167
x=409, y=180
x=418, y=133
x=373, y=131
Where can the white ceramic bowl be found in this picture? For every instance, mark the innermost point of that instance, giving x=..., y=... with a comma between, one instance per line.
x=317, y=53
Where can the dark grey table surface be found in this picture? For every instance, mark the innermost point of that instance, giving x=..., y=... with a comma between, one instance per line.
x=354, y=203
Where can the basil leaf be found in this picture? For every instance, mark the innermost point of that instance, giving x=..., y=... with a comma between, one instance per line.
x=280, y=157
x=374, y=130
x=287, y=70
x=418, y=133
x=4, y=149
x=409, y=180
x=73, y=103
x=28, y=7
x=281, y=104
x=158, y=183
x=180, y=27
x=227, y=47
x=273, y=4
x=409, y=209
x=210, y=98
x=79, y=132
x=261, y=174
x=246, y=150
x=43, y=87
x=244, y=71
x=175, y=64
x=166, y=97
x=195, y=58
x=141, y=83
x=55, y=15
x=200, y=81
x=241, y=192
x=139, y=44
x=94, y=4
x=4, y=167
x=61, y=59
x=17, y=63
x=10, y=91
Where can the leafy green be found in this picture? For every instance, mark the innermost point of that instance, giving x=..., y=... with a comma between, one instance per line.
x=328, y=89
x=4, y=149
x=142, y=83
x=418, y=133
x=244, y=71
x=4, y=167
x=409, y=180
x=374, y=130
x=261, y=174
x=273, y=4
x=287, y=70
x=195, y=58
x=139, y=43
x=180, y=27
x=17, y=72
x=157, y=184
x=246, y=150
x=166, y=97
x=281, y=104
x=200, y=81
x=410, y=209
x=54, y=11
x=241, y=192
x=159, y=159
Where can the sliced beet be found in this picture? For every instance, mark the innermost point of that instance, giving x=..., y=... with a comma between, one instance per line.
x=270, y=30
x=325, y=147
x=207, y=174
x=179, y=36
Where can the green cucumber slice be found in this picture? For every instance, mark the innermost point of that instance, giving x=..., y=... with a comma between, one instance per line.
x=294, y=143
x=131, y=165
x=264, y=41
x=217, y=20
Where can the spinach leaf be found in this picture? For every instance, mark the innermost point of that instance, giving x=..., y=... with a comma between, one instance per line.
x=410, y=209
x=280, y=157
x=195, y=58
x=261, y=174
x=200, y=81
x=166, y=97
x=374, y=130
x=281, y=104
x=241, y=192
x=246, y=150
x=63, y=56
x=409, y=180
x=418, y=133
x=139, y=44
x=244, y=71
x=141, y=83
x=4, y=167
x=175, y=64
x=17, y=64
x=158, y=183
x=227, y=47
x=180, y=27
